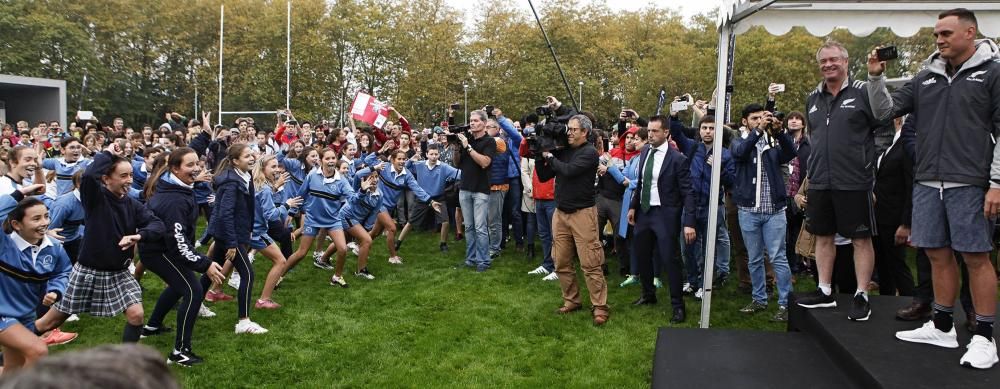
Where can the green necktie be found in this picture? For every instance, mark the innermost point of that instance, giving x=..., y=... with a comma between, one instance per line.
x=647, y=178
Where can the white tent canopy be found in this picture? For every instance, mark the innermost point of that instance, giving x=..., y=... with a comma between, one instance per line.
x=861, y=18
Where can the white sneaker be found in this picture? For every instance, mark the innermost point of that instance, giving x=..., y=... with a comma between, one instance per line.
x=131, y=268
x=205, y=312
x=687, y=288
x=73, y=317
x=249, y=327
x=354, y=247
x=252, y=255
x=396, y=260
x=699, y=293
x=551, y=277
x=197, y=244
x=234, y=280
x=981, y=354
x=539, y=270
x=929, y=334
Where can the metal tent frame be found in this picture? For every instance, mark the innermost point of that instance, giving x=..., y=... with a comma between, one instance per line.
x=860, y=17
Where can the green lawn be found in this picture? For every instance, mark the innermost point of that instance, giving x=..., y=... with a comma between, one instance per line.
x=427, y=323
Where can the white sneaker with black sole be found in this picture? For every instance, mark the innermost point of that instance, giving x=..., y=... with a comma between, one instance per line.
x=184, y=358
x=981, y=353
x=929, y=334
x=354, y=247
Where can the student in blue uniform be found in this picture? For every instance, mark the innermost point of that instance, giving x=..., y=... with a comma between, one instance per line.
x=170, y=196
x=65, y=166
x=23, y=169
x=324, y=193
x=432, y=175
x=33, y=268
x=66, y=218
x=265, y=172
x=392, y=181
x=353, y=214
x=142, y=167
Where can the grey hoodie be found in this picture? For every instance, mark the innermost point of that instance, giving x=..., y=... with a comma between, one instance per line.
x=957, y=118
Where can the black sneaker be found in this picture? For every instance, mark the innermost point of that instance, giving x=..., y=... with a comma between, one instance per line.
x=817, y=300
x=444, y=247
x=860, y=309
x=399, y=244
x=753, y=308
x=184, y=358
x=363, y=273
x=780, y=316
x=153, y=331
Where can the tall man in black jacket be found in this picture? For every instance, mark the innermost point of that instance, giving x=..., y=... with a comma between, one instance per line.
x=574, y=223
x=956, y=99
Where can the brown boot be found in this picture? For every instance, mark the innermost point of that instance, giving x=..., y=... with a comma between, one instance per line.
x=916, y=311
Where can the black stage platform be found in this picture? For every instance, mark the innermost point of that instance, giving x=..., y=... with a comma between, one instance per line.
x=821, y=350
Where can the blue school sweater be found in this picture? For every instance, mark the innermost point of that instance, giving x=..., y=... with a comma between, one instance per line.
x=392, y=184
x=67, y=213
x=363, y=207
x=323, y=197
x=65, y=171
x=28, y=272
x=139, y=174
x=267, y=210
x=433, y=180
x=296, y=171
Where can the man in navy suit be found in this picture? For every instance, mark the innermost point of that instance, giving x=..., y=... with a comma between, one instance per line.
x=661, y=198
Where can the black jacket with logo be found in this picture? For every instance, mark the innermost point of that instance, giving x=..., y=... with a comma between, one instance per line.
x=842, y=156
x=957, y=117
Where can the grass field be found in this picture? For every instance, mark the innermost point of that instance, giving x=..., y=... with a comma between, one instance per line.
x=427, y=323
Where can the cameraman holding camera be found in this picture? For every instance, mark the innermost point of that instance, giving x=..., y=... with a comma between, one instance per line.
x=474, y=159
x=574, y=223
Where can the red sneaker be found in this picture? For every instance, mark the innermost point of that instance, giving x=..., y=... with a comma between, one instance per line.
x=57, y=337
x=216, y=296
x=266, y=304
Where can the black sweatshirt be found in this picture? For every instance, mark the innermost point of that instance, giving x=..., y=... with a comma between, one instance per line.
x=176, y=207
x=108, y=218
x=574, y=170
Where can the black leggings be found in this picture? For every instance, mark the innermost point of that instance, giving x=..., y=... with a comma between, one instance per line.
x=282, y=236
x=183, y=285
x=245, y=269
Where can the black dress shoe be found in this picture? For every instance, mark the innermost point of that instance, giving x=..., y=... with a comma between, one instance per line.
x=916, y=311
x=645, y=301
x=679, y=316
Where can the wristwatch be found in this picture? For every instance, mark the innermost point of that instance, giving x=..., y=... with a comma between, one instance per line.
x=468, y=148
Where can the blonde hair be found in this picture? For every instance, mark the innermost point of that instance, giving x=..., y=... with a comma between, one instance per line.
x=259, y=177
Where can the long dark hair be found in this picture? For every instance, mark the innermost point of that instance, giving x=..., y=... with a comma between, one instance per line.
x=163, y=163
x=234, y=152
x=19, y=212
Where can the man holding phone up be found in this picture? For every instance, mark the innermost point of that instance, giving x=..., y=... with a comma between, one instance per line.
x=955, y=100
x=840, y=177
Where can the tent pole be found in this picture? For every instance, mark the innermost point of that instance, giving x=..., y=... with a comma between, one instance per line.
x=723, y=77
x=222, y=19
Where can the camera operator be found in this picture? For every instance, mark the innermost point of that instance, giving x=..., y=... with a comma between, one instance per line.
x=574, y=223
x=474, y=160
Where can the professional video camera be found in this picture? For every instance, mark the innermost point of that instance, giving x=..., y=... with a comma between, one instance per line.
x=550, y=132
x=453, y=132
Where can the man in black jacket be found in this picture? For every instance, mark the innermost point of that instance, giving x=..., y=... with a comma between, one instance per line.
x=956, y=99
x=574, y=223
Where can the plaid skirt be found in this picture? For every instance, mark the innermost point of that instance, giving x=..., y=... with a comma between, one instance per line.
x=99, y=292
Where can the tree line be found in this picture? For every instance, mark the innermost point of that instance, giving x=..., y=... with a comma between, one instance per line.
x=142, y=59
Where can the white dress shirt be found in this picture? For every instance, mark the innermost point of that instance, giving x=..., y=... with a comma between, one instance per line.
x=661, y=152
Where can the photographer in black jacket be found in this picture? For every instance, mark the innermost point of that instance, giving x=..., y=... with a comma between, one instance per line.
x=574, y=223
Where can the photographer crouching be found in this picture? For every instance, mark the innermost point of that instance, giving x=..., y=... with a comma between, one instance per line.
x=574, y=223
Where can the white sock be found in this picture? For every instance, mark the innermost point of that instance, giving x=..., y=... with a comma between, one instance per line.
x=176, y=352
x=862, y=293
x=826, y=288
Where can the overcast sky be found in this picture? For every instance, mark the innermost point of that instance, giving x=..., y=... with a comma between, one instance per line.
x=688, y=7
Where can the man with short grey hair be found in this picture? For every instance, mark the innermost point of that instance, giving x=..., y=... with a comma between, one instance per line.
x=574, y=223
x=474, y=159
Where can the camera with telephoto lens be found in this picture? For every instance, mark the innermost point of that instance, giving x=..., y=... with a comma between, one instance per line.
x=550, y=133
